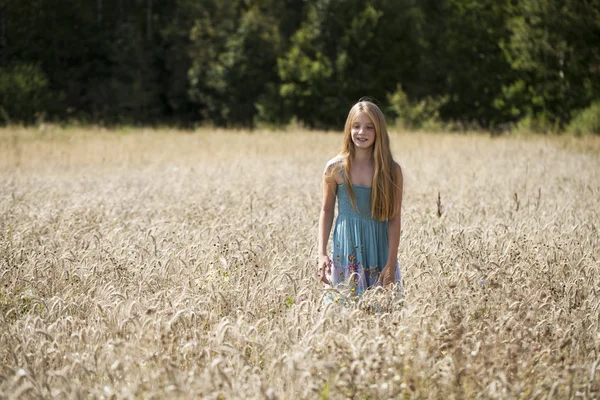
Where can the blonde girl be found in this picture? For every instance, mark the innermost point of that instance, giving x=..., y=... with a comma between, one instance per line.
x=367, y=183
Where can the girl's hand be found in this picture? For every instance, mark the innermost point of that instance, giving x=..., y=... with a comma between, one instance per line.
x=386, y=277
x=324, y=268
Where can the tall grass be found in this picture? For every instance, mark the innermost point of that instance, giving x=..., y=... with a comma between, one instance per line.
x=154, y=263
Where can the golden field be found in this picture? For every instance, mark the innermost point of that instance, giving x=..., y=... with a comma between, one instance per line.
x=147, y=263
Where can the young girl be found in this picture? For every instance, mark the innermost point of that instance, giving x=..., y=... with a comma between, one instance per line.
x=368, y=185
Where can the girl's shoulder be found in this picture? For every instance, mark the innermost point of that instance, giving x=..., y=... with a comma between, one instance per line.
x=397, y=170
x=397, y=176
x=335, y=162
x=334, y=167
x=396, y=167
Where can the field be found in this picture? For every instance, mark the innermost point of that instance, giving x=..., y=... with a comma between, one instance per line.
x=169, y=264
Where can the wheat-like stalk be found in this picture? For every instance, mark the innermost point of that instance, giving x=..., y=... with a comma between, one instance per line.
x=169, y=264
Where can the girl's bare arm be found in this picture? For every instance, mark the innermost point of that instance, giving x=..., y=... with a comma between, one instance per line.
x=394, y=225
x=327, y=213
x=393, y=241
x=325, y=223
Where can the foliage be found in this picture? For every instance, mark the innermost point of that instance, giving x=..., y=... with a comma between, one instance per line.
x=234, y=51
x=416, y=115
x=344, y=51
x=462, y=59
x=587, y=120
x=549, y=50
x=23, y=92
x=221, y=64
x=268, y=62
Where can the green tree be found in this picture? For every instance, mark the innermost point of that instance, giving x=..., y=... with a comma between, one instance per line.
x=23, y=93
x=107, y=60
x=174, y=58
x=244, y=62
x=345, y=50
x=234, y=53
x=551, y=48
x=462, y=58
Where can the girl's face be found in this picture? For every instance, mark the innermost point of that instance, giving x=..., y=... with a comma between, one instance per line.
x=363, y=131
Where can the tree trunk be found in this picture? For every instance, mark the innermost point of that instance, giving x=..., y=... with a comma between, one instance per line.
x=99, y=3
x=2, y=28
x=149, y=21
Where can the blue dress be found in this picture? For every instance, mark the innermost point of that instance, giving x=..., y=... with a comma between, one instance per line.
x=360, y=243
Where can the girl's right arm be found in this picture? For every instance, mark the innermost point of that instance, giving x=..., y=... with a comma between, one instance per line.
x=325, y=223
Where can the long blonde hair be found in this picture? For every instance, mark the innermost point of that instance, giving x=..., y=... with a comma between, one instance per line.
x=384, y=188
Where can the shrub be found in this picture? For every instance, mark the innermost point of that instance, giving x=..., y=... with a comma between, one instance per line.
x=423, y=114
x=24, y=92
x=538, y=123
x=587, y=120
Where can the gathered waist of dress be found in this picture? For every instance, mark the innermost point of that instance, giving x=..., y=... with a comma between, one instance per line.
x=353, y=215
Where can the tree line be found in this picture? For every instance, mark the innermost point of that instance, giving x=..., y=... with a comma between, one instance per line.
x=243, y=63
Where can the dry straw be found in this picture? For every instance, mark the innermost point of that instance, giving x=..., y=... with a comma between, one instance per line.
x=180, y=265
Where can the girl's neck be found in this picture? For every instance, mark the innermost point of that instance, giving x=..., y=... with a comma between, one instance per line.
x=363, y=156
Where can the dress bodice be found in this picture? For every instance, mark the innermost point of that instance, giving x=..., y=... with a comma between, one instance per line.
x=362, y=195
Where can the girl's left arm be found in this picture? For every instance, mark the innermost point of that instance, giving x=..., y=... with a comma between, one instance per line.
x=394, y=229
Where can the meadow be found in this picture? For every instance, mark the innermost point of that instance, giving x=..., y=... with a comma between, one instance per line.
x=149, y=263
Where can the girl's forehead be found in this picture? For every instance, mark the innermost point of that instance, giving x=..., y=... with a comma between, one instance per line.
x=363, y=117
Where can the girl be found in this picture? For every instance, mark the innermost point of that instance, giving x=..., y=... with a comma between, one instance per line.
x=368, y=185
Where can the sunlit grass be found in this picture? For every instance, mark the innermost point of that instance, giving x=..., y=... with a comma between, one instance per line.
x=143, y=262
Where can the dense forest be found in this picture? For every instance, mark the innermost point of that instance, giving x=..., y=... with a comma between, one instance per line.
x=458, y=64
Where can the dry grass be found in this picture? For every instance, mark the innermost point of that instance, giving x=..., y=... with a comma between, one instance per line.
x=176, y=264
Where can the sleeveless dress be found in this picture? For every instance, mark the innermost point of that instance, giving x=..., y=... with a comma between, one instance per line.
x=360, y=243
